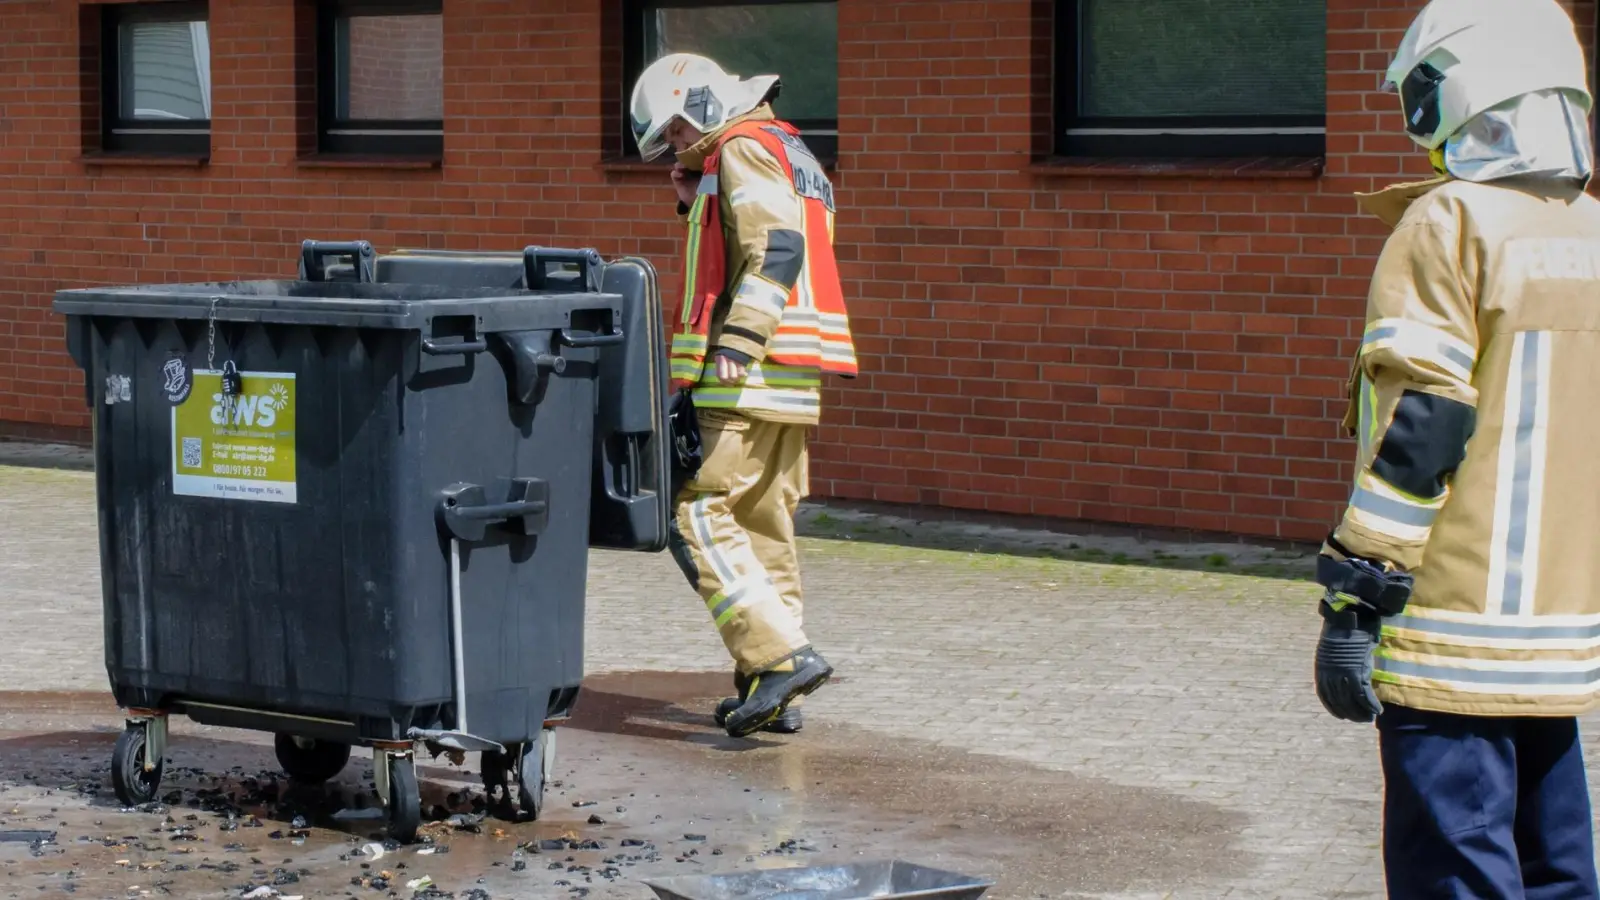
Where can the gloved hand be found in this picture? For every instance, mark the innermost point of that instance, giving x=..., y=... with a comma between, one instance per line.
x=1344, y=659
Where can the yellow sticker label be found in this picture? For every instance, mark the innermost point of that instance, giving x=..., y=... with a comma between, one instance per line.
x=240, y=447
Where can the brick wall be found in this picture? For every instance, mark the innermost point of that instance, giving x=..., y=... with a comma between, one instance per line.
x=1164, y=350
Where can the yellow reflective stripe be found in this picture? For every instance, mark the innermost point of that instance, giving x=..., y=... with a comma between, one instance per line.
x=1424, y=343
x=1378, y=506
x=1496, y=633
x=692, y=264
x=1373, y=483
x=687, y=370
x=755, y=377
x=720, y=396
x=1549, y=677
x=724, y=604
x=775, y=375
x=1367, y=415
x=687, y=360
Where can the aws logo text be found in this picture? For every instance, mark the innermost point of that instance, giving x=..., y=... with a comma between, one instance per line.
x=251, y=410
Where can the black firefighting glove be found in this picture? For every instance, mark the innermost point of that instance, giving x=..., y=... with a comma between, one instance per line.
x=1344, y=659
x=1358, y=594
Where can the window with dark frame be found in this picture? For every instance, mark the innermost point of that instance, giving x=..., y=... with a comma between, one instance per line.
x=1191, y=78
x=156, y=78
x=380, y=77
x=797, y=40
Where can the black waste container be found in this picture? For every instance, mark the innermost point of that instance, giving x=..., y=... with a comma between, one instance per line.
x=345, y=513
x=631, y=505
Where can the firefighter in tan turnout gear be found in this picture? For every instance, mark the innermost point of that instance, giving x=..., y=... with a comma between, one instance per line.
x=763, y=319
x=1462, y=603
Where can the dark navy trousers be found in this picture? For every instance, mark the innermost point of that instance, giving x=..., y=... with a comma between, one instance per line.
x=1484, y=808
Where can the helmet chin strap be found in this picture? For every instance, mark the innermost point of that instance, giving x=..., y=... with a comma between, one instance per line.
x=1436, y=156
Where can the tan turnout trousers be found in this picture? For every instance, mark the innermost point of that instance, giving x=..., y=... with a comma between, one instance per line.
x=736, y=522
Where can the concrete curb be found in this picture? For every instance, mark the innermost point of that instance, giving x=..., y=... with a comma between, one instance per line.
x=941, y=531
x=46, y=456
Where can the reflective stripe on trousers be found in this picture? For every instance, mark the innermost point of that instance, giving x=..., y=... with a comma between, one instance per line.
x=736, y=518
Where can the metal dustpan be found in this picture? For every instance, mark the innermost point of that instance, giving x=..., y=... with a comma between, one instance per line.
x=888, y=880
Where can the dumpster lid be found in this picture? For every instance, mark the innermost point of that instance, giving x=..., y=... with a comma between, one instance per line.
x=334, y=303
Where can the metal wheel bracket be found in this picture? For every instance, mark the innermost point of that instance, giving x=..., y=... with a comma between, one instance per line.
x=380, y=770
x=155, y=737
x=380, y=775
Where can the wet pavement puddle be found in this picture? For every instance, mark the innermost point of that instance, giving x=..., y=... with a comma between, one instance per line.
x=645, y=785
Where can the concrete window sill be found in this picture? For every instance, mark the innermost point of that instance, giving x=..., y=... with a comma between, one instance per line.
x=351, y=161
x=113, y=158
x=1231, y=167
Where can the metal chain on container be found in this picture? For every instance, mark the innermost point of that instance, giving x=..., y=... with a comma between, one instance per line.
x=211, y=358
x=211, y=334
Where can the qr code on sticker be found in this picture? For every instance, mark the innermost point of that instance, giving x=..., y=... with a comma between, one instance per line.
x=191, y=453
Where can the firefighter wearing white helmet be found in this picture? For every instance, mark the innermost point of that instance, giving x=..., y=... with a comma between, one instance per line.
x=763, y=320
x=1461, y=608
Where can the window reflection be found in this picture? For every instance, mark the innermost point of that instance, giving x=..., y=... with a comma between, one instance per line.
x=797, y=41
x=392, y=67
x=166, y=70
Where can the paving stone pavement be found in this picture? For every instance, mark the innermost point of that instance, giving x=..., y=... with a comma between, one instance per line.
x=1190, y=682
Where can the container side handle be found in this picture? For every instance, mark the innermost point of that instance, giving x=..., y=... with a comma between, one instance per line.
x=434, y=348
x=536, y=262
x=465, y=513
x=592, y=340
x=313, y=255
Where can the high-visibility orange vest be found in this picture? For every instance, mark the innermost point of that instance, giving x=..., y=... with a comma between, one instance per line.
x=814, y=330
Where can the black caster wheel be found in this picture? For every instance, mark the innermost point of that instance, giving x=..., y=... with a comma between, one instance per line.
x=524, y=769
x=133, y=784
x=310, y=761
x=534, y=772
x=405, y=801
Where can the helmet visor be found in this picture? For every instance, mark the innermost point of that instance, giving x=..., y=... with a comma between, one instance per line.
x=1419, y=99
x=648, y=134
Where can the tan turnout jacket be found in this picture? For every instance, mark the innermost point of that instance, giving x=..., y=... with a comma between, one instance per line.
x=756, y=198
x=1486, y=294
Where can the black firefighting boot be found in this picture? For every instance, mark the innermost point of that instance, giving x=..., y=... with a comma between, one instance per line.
x=789, y=722
x=771, y=691
x=741, y=685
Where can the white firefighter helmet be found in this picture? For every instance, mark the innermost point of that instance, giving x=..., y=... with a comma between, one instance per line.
x=695, y=88
x=1462, y=57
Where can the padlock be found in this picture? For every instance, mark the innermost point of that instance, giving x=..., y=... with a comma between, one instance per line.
x=232, y=381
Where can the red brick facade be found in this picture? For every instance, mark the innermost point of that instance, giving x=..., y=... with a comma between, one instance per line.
x=1162, y=347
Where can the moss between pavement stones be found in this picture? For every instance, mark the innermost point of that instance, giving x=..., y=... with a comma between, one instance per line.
x=21, y=476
